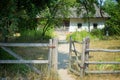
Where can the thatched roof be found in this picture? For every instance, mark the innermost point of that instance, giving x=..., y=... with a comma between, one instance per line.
x=98, y=13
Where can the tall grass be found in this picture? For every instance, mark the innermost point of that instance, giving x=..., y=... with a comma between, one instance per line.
x=34, y=36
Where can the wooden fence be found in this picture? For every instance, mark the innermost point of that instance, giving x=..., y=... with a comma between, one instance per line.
x=52, y=58
x=83, y=62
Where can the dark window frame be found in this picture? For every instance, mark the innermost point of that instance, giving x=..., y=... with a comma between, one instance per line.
x=79, y=25
x=95, y=25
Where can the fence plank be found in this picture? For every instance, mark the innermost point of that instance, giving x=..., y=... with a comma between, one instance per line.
x=70, y=51
x=102, y=50
x=87, y=41
x=55, y=54
x=82, y=71
x=25, y=44
x=78, y=42
x=50, y=55
x=105, y=62
x=103, y=72
x=24, y=61
x=76, y=51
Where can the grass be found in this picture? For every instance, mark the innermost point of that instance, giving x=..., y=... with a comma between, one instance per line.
x=103, y=56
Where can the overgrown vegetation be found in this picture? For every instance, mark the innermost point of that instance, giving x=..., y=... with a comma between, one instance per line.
x=95, y=34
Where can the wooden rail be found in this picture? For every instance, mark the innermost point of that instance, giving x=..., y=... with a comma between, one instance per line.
x=102, y=50
x=25, y=44
x=24, y=61
x=84, y=62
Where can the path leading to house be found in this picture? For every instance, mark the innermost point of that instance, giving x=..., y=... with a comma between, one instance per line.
x=63, y=51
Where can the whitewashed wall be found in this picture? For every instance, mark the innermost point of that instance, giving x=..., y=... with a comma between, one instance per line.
x=74, y=27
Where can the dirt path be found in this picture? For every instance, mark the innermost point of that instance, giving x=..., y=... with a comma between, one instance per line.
x=63, y=51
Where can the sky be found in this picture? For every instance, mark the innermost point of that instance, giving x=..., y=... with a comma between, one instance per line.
x=100, y=0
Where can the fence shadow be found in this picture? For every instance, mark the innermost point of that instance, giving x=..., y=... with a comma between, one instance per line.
x=62, y=60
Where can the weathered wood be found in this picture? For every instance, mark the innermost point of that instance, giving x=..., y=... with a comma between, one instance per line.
x=70, y=51
x=85, y=58
x=25, y=44
x=105, y=62
x=20, y=58
x=102, y=50
x=82, y=71
x=78, y=42
x=12, y=53
x=87, y=41
x=50, y=55
x=55, y=55
x=62, y=42
x=24, y=61
x=76, y=51
x=103, y=72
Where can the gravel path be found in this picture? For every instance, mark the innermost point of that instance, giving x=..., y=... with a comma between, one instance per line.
x=63, y=51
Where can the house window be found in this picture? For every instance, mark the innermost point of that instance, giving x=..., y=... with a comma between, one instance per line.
x=95, y=26
x=79, y=25
x=66, y=23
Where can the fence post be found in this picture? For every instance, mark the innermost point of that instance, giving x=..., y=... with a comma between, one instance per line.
x=55, y=54
x=82, y=66
x=84, y=56
x=50, y=55
x=70, y=47
x=87, y=41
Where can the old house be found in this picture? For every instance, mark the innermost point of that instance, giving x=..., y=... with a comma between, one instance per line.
x=78, y=22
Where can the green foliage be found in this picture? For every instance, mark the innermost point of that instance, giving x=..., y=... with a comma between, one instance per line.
x=78, y=36
x=20, y=14
x=97, y=33
x=112, y=8
x=94, y=34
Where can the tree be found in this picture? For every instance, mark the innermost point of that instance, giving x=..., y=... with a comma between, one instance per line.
x=20, y=15
x=88, y=7
x=56, y=12
x=112, y=8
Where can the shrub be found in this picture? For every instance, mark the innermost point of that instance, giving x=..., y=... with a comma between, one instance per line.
x=78, y=36
x=97, y=33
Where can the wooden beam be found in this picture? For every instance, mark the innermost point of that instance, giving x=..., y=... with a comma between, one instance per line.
x=105, y=62
x=78, y=42
x=103, y=72
x=102, y=50
x=24, y=61
x=25, y=44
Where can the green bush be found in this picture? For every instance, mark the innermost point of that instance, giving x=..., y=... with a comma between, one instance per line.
x=94, y=34
x=114, y=30
x=78, y=36
x=97, y=33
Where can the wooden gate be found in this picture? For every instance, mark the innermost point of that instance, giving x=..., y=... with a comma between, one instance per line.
x=52, y=54
x=79, y=60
